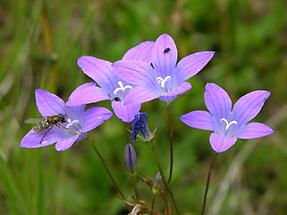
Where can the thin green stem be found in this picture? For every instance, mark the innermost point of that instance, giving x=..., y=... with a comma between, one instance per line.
x=163, y=177
x=167, y=208
x=170, y=131
x=152, y=204
x=110, y=174
x=133, y=179
x=207, y=183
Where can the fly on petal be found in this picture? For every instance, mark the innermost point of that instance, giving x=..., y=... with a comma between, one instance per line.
x=67, y=124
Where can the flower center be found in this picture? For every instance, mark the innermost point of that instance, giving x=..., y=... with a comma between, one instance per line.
x=162, y=81
x=228, y=124
x=73, y=126
x=122, y=87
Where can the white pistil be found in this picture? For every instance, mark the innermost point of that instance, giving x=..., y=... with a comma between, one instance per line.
x=162, y=81
x=74, y=126
x=228, y=124
x=122, y=87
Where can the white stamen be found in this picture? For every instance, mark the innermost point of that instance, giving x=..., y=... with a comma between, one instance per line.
x=122, y=87
x=228, y=124
x=99, y=117
x=162, y=81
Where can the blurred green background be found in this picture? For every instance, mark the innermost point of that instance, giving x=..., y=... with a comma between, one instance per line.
x=39, y=45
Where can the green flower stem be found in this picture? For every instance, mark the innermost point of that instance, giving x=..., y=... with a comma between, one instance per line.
x=207, y=183
x=170, y=135
x=134, y=182
x=110, y=175
x=152, y=204
x=153, y=146
x=167, y=208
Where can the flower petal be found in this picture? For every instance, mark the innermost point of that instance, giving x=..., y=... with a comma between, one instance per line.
x=137, y=72
x=49, y=104
x=255, y=130
x=66, y=143
x=94, y=117
x=139, y=95
x=35, y=139
x=220, y=143
x=87, y=93
x=164, y=55
x=198, y=119
x=99, y=70
x=248, y=106
x=140, y=52
x=125, y=112
x=183, y=88
x=192, y=64
x=76, y=113
x=217, y=101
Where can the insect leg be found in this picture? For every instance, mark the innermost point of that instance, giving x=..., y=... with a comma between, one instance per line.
x=45, y=134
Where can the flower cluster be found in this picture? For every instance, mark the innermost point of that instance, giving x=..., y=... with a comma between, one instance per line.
x=146, y=72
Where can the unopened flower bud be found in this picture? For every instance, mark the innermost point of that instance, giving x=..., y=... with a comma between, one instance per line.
x=157, y=183
x=139, y=125
x=130, y=157
x=157, y=178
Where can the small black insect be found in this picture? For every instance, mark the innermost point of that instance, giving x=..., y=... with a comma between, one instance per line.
x=166, y=50
x=117, y=99
x=46, y=123
x=151, y=65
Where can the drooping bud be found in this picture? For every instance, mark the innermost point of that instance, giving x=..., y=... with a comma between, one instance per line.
x=130, y=157
x=139, y=125
x=157, y=183
x=157, y=178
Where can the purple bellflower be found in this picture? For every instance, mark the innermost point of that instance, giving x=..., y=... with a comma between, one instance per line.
x=227, y=123
x=73, y=128
x=111, y=86
x=162, y=77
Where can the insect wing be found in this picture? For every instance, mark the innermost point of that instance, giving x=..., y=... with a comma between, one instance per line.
x=33, y=120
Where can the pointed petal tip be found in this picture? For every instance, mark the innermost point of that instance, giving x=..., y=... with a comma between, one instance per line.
x=267, y=94
x=39, y=92
x=80, y=60
x=83, y=58
x=213, y=87
x=208, y=54
x=209, y=85
x=198, y=119
x=164, y=35
x=255, y=130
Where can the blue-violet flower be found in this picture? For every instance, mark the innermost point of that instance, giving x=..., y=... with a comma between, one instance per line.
x=111, y=85
x=162, y=77
x=75, y=126
x=227, y=123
